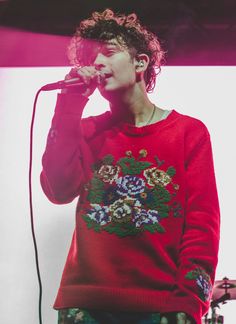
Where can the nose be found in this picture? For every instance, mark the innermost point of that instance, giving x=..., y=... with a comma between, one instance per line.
x=99, y=61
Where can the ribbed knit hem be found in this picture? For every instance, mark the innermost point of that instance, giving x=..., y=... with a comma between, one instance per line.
x=186, y=304
x=111, y=299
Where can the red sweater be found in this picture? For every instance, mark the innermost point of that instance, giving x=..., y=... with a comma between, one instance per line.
x=147, y=219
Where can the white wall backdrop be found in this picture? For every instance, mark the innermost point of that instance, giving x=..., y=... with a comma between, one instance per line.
x=207, y=93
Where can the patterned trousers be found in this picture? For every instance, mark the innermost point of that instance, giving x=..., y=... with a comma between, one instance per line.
x=78, y=315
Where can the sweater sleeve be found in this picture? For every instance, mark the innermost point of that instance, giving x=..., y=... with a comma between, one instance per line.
x=64, y=167
x=199, y=246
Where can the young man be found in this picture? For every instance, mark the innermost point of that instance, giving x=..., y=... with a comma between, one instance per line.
x=145, y=245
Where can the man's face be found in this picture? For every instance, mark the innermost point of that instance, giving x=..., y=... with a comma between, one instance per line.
x=114, y=61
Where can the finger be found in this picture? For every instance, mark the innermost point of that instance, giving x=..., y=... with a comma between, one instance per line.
x=86, y=71
x=88, y=74
x=164, y=320
x=72, y=74
x=85, y=74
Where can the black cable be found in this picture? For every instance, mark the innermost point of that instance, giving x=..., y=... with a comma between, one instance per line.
x=31, y=209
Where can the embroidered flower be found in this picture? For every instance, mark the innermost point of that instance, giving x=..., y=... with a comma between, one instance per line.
x=130, y=185
x=99, y=214
x=146, y=217
x=156, y=176
x=110, y=195
x=121, y=210
x=176, y=186
x=203, y=282
x=129, y=196
x=128, y=153
x=108, y=173
x=143, y=153
x=205, y=286
x=146, y=196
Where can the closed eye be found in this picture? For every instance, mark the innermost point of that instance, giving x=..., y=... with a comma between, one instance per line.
x=109, y=52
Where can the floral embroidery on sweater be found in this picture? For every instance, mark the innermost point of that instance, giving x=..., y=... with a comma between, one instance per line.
x=203, y=282
x=130, y=196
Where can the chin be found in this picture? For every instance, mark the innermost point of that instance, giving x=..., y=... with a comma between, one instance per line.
x=109, y=91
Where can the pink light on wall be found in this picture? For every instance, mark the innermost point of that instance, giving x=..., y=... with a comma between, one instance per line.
x=22, y=48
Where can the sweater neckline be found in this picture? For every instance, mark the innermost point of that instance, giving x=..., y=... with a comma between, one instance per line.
x=148, y=129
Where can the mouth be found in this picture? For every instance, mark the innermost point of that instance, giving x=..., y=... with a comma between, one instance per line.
x=107, y=75
x=104, y=77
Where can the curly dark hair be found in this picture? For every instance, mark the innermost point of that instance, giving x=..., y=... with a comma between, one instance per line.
x=127, y=30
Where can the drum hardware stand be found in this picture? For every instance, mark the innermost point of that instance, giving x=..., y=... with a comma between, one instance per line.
x=216, y=318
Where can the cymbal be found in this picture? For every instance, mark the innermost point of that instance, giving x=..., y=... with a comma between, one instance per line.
x=224, y=286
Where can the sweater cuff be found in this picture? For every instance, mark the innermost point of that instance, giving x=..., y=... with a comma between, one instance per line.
x=70, y=104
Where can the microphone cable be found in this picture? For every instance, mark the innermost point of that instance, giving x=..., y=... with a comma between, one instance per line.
x=48, y=87
x=31, y=209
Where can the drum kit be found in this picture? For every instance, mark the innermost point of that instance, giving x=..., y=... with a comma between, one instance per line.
x=223, y=291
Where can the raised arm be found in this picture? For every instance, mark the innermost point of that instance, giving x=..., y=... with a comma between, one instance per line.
x=64, y=169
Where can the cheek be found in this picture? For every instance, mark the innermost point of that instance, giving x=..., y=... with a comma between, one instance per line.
x=126, y=72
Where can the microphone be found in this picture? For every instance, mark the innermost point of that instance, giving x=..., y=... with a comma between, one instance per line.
x=74, y=82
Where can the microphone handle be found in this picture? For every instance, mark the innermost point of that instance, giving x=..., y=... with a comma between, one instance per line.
x=74, y=82
x=64, y=84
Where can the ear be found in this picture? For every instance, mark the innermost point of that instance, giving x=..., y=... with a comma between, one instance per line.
x=141, y=62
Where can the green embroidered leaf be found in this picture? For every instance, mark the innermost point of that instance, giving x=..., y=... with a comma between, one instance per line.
x=92, y=224
x=121, y=230
x=86, y=218
x=89, y=224
x=159, y=228
x=88, y=221
x=202, y=296
x=171, y=171
x=126, y=163
x=130, y=166
x=191, y=275
x=96, y=166
x=149, y=228
x=177, y=214
x=153, y=203
x=95, y=196
x=97, y=228
x=163, y=210
x=143, y=165
x=154, y=228
x=159, y=162
x=162, y=194
x=159, y=196
x=127, y=229
x=108, y=159
x=177, y=209
x=110, y=229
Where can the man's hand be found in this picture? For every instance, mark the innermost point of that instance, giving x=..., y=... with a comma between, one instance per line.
x=176, y=318
x=88, y=75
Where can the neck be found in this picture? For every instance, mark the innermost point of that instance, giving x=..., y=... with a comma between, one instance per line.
x=133, y=107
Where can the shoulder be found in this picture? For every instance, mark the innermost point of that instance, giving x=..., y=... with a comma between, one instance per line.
x=94, y=125
x=190, y=125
